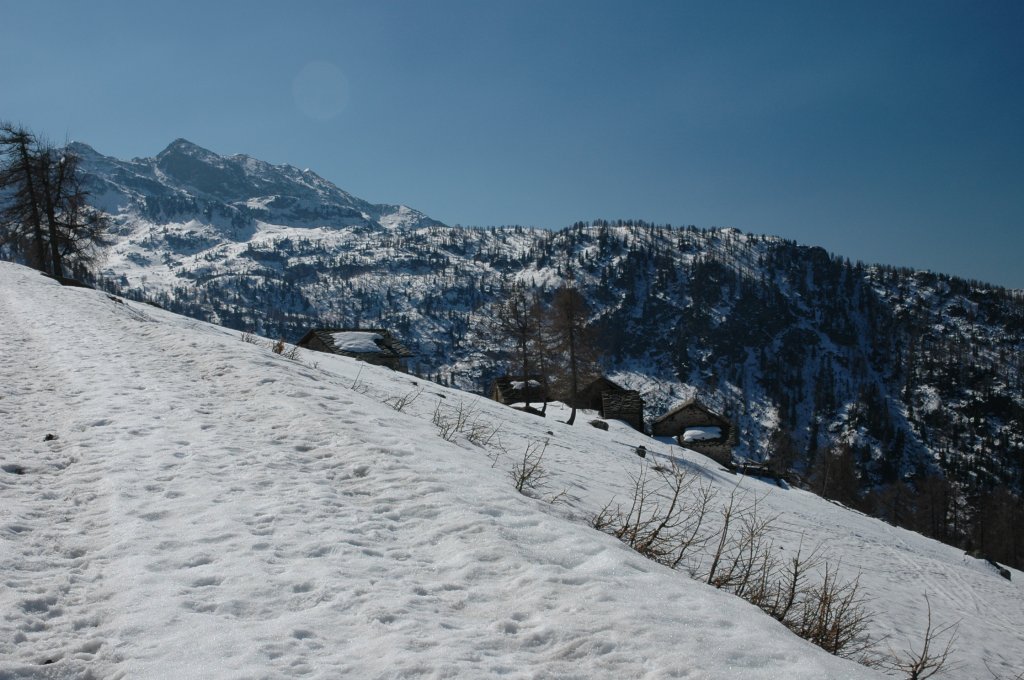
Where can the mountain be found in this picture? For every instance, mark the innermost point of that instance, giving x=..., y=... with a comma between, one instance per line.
x=230, y=194
x=898, y=392
x=178, y=502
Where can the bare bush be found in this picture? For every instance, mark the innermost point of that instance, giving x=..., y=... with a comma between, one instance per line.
x=400, y=402
x=250, y=338
x=496, y=450
x=529, y=473
x=466, y=419
x=743, y=561
x=482, y=433
x=446, y=425
x=279, y=346
x=665, y=518
x=560, y=497
x=932, y=657
x=462, y=414
x=996, y=676
x=833, y=615
x=357, y=385
x=669, y=521
x=791, y=581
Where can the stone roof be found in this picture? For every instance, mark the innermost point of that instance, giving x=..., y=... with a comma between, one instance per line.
x=691, y=402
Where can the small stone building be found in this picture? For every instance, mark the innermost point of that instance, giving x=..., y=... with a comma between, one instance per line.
x=612, y=402
x=372, y=345
x=511, y=389
x=698, y=428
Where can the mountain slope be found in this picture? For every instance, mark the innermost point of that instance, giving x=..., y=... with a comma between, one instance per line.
x=910, y=384
x=208, y=509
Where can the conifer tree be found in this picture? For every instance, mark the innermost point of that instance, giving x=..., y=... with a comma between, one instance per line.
x=44, y=216
x=567, y=321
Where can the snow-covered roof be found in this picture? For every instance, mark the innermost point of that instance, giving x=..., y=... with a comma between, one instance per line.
x=357, y=341
x=522, y=384
x=700, y=434
x=517, y=389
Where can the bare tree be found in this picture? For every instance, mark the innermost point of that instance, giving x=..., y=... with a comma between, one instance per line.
x=45, y=217
x=515, y=320
x=80, y=229
x=21, y=219
x=568, y=323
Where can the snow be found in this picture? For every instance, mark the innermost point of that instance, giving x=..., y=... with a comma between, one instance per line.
x=362, y=342
x=209, y=509
x=522, y=384
x=698, y=434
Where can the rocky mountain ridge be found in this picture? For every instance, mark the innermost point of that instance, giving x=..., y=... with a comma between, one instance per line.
x=186, y=181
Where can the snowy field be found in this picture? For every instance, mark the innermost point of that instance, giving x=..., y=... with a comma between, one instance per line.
x=177, y=503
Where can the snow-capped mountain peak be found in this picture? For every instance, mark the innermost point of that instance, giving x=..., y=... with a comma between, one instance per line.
x=182, y=146
x=235, y=194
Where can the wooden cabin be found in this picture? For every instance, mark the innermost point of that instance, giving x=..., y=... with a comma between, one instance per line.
x=612, y=402
x=511, y=389
x=698, y=428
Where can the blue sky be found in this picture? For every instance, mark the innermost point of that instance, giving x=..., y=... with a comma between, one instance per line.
x=884, y=131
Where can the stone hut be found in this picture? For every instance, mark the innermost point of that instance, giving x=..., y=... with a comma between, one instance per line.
x=513, y=389
x=372, y=345
x=700, y=429
x=612, y=402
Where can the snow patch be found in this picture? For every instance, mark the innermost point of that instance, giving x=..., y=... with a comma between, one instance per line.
x=522, y=384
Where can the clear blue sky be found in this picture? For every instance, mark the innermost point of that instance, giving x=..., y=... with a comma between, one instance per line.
x=884, y=131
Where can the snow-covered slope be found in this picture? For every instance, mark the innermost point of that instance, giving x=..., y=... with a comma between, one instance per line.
x=175, y=503
x=917, y=376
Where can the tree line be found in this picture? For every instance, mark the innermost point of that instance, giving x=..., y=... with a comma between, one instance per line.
x=45, y=220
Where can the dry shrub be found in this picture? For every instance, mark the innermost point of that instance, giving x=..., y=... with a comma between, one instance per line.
x=932, y=657
x=399, y=403
x=279, y=346
x=465, y=419
x=529, y=474
x=665, y=519
x=669, y=520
